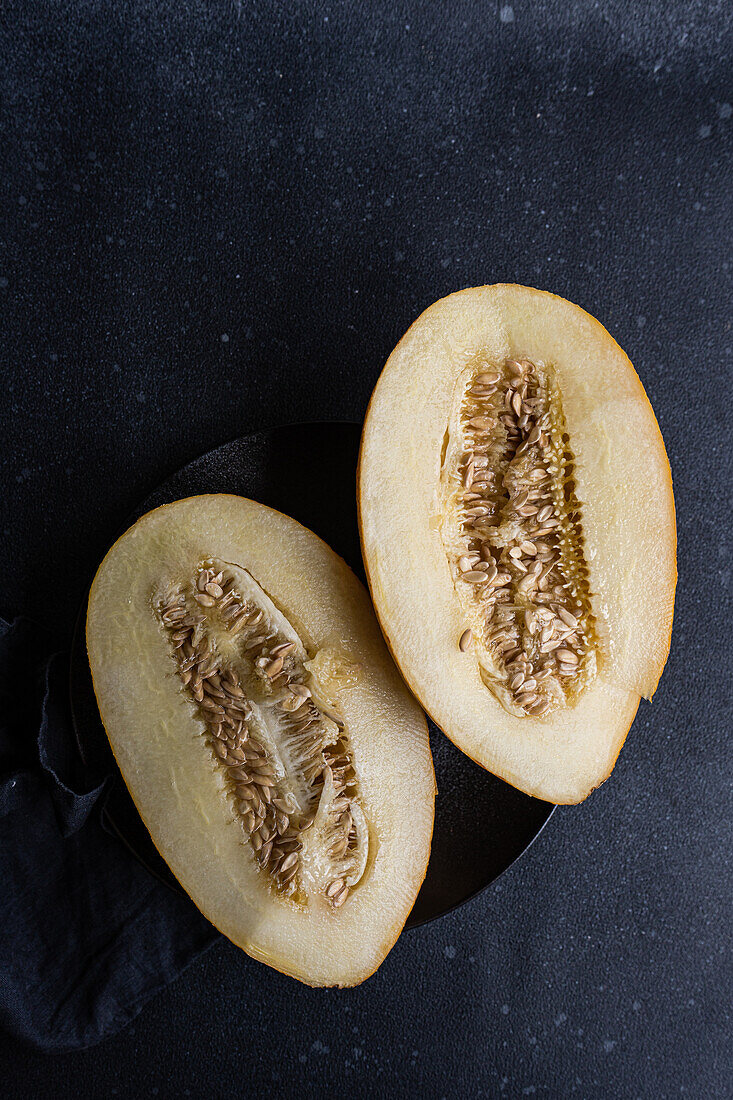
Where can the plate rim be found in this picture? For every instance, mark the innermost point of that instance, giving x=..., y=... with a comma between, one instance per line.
x=78, y=644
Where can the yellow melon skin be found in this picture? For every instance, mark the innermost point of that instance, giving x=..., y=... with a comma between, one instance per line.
x=624, y=485
x=161, y=751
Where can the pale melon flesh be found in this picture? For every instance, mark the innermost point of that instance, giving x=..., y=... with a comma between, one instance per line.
x=279, y=763
x=454, y=385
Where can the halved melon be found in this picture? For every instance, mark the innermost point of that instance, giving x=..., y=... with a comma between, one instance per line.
x=518, y=531
x=271, y=748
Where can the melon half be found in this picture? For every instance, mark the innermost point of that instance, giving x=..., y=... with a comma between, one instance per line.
x=518, y=531
x=278, y=761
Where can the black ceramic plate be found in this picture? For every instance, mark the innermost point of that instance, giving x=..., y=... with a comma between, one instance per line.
x=308, y=471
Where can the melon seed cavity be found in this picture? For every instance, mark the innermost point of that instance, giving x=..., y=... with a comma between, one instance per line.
x=284, y=756
x=514, y=538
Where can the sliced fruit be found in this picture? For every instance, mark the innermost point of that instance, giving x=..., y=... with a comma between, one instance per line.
x=518, y=531
x=272, y=750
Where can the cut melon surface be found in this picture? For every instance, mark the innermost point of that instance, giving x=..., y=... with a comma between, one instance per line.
x=265, y=735
x=518, y=528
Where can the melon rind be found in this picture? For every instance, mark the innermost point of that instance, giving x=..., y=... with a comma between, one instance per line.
x=623, y=483
x=167, y=766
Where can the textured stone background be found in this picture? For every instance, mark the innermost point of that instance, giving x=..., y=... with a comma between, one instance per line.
x=216, y=216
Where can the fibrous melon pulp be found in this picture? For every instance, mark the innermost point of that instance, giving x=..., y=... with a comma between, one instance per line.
x=268, y=742
x=518, y=531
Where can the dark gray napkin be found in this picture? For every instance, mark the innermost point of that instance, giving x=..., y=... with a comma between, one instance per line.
x=87, y=934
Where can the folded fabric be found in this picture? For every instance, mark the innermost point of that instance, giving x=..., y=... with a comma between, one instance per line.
x=87, y=933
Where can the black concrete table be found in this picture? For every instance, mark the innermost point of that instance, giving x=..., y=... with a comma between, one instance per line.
x=218, y=216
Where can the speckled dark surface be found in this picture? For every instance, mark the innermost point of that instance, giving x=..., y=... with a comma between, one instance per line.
x=221, y=216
